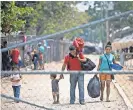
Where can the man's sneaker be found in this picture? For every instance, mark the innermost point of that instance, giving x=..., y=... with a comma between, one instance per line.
x=82, y=103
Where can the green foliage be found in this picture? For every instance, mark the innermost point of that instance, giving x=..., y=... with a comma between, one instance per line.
x=11, y=16
x=118, y=23
x=123, y=6
x=58, y=15
x=46, y=16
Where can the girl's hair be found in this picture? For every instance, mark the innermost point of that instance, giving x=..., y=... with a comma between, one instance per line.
x=109, y=43
x=53, y=76
x=108, y=46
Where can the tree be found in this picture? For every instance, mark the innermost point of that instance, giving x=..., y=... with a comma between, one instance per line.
x=123, y=6
x=12, y=16
x=46, y=16
x=55, y=16
x=115, y=24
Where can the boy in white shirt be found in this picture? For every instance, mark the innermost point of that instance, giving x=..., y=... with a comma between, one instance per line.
x=16, y=83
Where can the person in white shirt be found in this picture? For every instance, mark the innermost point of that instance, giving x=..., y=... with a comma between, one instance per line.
x=16, y=83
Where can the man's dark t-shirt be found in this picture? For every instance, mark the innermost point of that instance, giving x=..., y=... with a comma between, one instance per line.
x=5, y=60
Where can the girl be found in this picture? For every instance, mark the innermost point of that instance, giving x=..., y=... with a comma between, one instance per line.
x=16, y=84
x=104, y=65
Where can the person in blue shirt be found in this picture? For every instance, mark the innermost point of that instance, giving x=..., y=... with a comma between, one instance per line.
x=41, y=48
x=104, y=65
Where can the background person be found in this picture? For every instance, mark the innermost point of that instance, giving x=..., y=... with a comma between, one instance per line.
x=35, y=60
x=41, y=64
x=15, y=56
x=41, y=50
x=16, y=84
x=5, y=58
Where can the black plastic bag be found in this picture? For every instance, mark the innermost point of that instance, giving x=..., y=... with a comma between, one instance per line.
x=94, y=87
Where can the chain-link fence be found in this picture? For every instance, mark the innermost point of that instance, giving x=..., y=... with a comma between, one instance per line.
x=36, y=92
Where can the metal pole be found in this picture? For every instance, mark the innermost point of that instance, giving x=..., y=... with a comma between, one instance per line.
x=102, y=32
x=107, y=22
x=44, y=72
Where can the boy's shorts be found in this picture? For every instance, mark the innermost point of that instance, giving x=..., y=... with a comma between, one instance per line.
x=105, y=77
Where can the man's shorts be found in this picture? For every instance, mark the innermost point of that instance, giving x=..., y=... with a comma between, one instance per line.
x=105, y=77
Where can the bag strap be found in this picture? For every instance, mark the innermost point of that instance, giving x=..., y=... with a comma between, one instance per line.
x=108, y=62
x=68, y=64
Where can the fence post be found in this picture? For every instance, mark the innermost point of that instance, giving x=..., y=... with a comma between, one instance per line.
x=122, y=58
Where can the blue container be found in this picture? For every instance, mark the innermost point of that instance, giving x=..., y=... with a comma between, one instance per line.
x=116, y=66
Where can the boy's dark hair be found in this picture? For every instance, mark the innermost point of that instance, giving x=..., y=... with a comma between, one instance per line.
x=54, y=76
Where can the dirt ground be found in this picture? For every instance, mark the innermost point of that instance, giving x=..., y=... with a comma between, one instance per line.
x=37, y=89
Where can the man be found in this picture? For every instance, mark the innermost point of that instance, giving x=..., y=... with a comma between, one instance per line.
x=72, y=61
x=15, y=56
x=5, y=58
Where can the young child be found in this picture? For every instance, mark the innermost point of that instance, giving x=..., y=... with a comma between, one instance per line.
x=16, y=84
x=35, y=60
x=41, y=61
x=55, y=88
